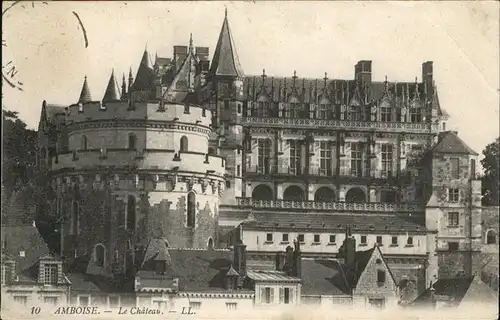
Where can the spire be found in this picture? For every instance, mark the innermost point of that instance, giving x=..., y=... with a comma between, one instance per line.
x=111, y=93
x=416, y=94
x=225, y=61
x=124, y=88
x=85, y=93
x=190, y=42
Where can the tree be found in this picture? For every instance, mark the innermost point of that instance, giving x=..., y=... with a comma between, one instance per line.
x=490, y=181
x=18, y=168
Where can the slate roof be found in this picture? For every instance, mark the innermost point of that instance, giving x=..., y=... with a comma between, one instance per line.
x=271, y=275
x=23, y=238
x=454, y=288
x=449, y=142
x=323, y=277
x=144, y=80
x=332, y=222
x=85, y=95
x=225, y=61
x=112, y=92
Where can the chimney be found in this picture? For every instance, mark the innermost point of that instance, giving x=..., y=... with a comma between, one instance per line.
x=240, y=258
x=289, y=261
x=363, y=72
x=350, y=249
x=279, y=261
x=427, y=78
x=180, y=53
x=202, y=53
x=297, y=259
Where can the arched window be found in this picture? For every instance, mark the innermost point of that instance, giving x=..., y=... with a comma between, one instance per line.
x=491, y=237
x=184, y=144
x=324, y=194
x=75, y=218
x=262, y=192
x=84, y=144
x=132, y=141
x=191, y=210
x=131, y=203
x=355, y=195
x=210, y=243
x=99, y=255
x=293, y=193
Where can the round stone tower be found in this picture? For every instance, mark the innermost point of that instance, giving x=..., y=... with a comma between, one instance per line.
x=126, y=172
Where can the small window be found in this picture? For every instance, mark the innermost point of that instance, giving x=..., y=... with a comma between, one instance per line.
x=195, y=305
x=284, y=238
x=363, y=239
x=226, y=104
x=238, y=170
x=191, y=210
x=332, y=238
x=452, y=246
x=455, y=172
x=99, y=255
x=316, y=238
x=491, y=237
x=83, y=301
x=184, y=144
x=301, y=237
x=228, y=184
x=211, y=151
x=269, y=237
x=267, y=295
x=51, y=273
x=132, y=141
x=21, y=299
x=409, y=241
x=379, y=240
x=231, y=305
x=453, y=219
x=378, y=261
x=50, y=300
x=453, y=195
x=380, y=276
x=84, y=145
x=239, y=107
x=394, y=241
x=286, y=295
x=131, y=207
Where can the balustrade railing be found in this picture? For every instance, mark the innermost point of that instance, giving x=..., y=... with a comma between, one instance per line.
x=334, y=206
x=341, y=124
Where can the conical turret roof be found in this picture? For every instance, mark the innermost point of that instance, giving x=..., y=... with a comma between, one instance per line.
x=145, y=74
x=85, y=93
x=112, y=91
x=225, y=61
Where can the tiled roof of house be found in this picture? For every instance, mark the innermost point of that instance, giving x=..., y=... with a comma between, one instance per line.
x=332, y=222
x=449, y=142
x=144, y=79
x=271, y=276
x=323, y=277
x=225, y=61
x=23, y=239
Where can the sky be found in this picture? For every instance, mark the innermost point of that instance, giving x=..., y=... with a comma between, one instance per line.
x=46, y=45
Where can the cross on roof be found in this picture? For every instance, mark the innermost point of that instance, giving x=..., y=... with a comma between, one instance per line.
x=263, y=75
x=326, y=77
x=294, y=77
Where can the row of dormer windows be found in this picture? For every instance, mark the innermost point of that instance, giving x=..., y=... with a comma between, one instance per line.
x=285, y=238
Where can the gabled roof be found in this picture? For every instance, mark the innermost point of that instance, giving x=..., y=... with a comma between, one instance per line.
x=323, y=277
x=478, y=291
x=156, y=251
x=85, y=93
x=225, y=61
x=362, y=261
x=179, y=94
x=26, y=238
x=112, y=92
x=449, y=142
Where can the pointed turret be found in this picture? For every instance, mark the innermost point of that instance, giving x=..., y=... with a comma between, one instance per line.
x=85, y=94
x=145, y=74
x=124, y=88
x=112, y=91
x=225, y=61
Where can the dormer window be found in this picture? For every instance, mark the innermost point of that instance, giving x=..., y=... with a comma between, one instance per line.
x=51, y=273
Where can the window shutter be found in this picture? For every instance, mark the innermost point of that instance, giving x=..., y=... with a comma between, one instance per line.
x=316, y=159
x=271, y=295
x=291, y=295
x=262, y=295
x=282, y=295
